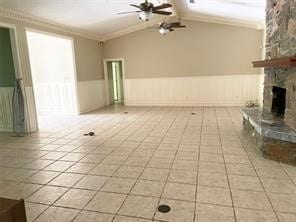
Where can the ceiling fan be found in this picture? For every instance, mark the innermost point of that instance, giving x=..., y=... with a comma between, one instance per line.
x=147, y=9
x=167, y=26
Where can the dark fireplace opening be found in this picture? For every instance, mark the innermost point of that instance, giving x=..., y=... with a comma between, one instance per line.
x=278, y=101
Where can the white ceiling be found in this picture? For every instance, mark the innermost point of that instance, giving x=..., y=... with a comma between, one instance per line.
x=100, y=17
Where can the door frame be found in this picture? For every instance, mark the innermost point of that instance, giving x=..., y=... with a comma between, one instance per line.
x=75, y=82
x=18, y=68
x=107, y=96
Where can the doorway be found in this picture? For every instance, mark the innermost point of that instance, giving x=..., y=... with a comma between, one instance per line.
x=7, y=79
x=13, y=102
x=114, y=77
x=53, y=71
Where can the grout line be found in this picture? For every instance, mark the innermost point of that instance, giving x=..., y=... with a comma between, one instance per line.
x=260, y=180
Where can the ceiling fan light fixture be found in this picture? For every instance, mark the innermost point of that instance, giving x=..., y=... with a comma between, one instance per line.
x=145, y=16
x=163, y=31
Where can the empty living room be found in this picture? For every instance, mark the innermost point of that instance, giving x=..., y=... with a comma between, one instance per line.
x=147, y=111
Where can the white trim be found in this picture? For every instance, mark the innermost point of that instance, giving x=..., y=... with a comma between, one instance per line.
x=12, y=14
x=223, y=21
x=106, y=78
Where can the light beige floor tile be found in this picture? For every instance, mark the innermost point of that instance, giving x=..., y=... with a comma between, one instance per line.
x=272, y=172
x=148, y=188
x=180, y=211
x=283, y=202
x=66, y=180
x=210, y=149
x=81, y=168
x=128, y=172
x=91, y=182
x=277, y=185
x=73, y=157
x=211, y=157
x=93, y=158
x=47, y=195
x=179, y=191
x=213, y=179
x=104, y=170
x=182, y=176
x=87, y=216
x=286, y=217
x=213, y=195
x=75, y=198
x=114, y=159
x=129, y=219
x=136, y=161
x=54, y=155
x=119, y=185
x=213, y=213
x=21, y=191
x=246, y=215
x=38, y=164
x=42, y=177
x=185, y=155
x=155, y=174
x=106, y=202
x=160, y=163
x=242, y=159
x=59, y=166
x=212, y=167
x=18, y=174
x=185, y=165
x=139, y=206
x=251, y=199
x=34, y=210
x=245, y=183
x=57, y=214
x=240, y=169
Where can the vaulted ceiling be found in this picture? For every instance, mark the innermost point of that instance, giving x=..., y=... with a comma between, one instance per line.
x=100, y=18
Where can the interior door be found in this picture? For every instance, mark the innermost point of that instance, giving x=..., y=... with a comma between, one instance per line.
x=110, y=82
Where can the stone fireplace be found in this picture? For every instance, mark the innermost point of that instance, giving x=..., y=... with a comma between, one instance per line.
x=273, y=128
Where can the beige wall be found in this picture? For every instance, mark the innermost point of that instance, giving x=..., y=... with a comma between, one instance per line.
x=88, y=52
x=202, y=49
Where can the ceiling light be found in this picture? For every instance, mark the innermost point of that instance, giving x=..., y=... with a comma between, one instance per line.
x=145, y=16
x=163, y=31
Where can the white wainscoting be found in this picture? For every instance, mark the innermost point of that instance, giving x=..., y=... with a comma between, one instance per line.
x=55, y=98
x=91, y=95
x=230, y=90
x=6, y=94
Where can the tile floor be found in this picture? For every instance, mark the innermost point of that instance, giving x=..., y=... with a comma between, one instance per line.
x=194, y=159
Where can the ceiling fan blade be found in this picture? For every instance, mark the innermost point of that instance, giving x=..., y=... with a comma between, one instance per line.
x=163, y=6
x=137, y=6
x=122, y=13
x=171, y=30
x=162, y=12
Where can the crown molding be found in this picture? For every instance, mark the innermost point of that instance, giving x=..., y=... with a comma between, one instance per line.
x=34, y=20
x=135, y=28
x=223, y=21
